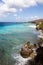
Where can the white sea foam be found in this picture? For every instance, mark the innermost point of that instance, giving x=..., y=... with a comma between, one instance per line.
x=32, y=26
x=40, y=36
x=20, y=60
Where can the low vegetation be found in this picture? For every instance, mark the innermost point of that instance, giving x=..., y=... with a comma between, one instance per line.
x=39, y=26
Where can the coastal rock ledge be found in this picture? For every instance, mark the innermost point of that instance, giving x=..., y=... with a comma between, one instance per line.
x=33, y=51
x=28, y=50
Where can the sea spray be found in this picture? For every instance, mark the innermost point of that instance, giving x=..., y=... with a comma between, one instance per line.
x=20, y=60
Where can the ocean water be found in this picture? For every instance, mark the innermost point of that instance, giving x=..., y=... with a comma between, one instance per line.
x=12, y=38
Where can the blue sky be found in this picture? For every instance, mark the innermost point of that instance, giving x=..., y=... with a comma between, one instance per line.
x=20, y=10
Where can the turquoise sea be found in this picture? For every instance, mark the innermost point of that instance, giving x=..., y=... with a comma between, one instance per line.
x=12, y=38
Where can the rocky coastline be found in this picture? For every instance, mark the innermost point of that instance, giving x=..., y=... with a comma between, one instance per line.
x=34, y=51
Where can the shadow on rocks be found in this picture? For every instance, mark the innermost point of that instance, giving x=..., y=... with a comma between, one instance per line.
x=38, y=60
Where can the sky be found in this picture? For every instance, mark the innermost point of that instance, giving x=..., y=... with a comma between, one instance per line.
x=20, y=10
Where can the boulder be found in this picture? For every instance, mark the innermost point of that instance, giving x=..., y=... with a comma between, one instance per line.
x=28, y=50
x=38, y=59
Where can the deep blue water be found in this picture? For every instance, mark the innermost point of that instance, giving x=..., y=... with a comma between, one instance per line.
x=12, y=38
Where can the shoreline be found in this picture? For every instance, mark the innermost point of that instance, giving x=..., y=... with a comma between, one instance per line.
x=33, y=51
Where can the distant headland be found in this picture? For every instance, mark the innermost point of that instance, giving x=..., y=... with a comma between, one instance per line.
x=37, y=21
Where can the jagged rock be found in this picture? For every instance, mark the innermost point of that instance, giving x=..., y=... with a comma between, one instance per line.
x=35, y=51
x=40, y=42
x=25, y=51
x=38, y=59
x=28, y=50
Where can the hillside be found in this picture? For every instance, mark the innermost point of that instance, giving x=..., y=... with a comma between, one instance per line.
x=37, y=21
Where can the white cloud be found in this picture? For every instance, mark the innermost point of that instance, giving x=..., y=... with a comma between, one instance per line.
x=12, y=10
x=15, y=15
x=12, y=6
x=34, y=17
x=5, y=9
x=25, y=18
x=20, y=3
x=20, y=19
x=40, y=1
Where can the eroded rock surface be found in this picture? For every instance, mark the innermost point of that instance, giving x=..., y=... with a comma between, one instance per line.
x=34, y=51
x=28, y=50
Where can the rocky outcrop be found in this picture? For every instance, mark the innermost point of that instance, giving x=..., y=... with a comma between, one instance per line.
x=28, y=50
x=38, y=59
x=39, y=26
x=40, y=42
x=34, y=51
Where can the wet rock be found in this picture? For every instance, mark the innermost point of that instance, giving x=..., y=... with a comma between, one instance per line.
x=34, y=51
x=26, y=53
x=28, y=50
x=40, y=42
x=39, y=58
